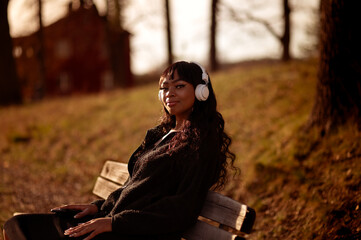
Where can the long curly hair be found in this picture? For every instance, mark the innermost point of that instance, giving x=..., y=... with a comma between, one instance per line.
x=205, y=126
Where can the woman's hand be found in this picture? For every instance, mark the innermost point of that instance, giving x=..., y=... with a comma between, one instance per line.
x=85, y=209
x=94, y=227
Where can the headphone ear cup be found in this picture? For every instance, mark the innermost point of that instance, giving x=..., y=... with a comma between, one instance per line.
x=202, y=92
x=160, y=95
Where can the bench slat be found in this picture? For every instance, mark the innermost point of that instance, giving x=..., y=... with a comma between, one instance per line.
x=224, y=210
x=104, y=187
x=204, y=231
x=115, y=171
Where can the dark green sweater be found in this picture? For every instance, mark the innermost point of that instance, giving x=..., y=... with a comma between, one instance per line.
x=165, y=191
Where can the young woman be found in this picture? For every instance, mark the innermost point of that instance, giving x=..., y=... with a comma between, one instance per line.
x=170, y=173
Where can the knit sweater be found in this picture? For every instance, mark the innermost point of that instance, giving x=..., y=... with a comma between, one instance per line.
x=165, y=191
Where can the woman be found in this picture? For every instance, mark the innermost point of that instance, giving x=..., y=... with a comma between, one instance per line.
x=170, y=173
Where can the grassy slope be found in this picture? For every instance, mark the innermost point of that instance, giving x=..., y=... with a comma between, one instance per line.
x=301, y=185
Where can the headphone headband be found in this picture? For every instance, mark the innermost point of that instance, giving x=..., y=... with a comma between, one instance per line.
x=204, y=73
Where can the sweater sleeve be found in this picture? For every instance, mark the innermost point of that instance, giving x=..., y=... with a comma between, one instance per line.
x=98, y=203
x=104, y=206
x=169, y=214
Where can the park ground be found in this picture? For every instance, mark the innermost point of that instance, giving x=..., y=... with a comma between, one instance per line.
x=303, y=185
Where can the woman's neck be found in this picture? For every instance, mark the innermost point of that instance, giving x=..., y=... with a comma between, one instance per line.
x=178, y=125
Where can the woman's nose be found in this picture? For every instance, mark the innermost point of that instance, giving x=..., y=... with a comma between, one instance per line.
x=170, y=92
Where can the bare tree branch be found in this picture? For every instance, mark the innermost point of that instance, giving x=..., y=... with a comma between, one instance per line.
x=263, y=22
x=245, y=17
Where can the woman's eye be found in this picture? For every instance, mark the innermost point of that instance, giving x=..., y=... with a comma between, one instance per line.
x=180, y=86
x=163, y=89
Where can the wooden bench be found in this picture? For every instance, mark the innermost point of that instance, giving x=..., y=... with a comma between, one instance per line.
x=222, y=218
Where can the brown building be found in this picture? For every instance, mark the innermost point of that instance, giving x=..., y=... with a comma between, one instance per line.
x=81, y=55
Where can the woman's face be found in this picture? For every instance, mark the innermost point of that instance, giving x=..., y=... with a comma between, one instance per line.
x=177, y=96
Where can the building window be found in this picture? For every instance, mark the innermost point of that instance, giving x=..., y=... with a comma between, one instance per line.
x=29, y=52
x=17, y=51
x=63, y=49
x=64, y=82
x=103, y=51
x=107, y=80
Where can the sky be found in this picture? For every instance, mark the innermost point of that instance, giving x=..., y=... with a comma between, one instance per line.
x=190, y=28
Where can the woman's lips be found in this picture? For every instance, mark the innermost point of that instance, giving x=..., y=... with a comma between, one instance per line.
x=171, y=103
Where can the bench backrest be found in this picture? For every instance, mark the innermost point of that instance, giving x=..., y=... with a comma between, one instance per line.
x=221, y=217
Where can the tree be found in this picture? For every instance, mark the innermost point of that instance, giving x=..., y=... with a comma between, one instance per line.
x=10, y=92
x=338, y=93
x=213, y=61
x=169, y=34
x=284, y=38
x=118, y=42
x=40, y=85
x=114, y=13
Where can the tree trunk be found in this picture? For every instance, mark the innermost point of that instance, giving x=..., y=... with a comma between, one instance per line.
x=169, y=34
x=213, y=62
x=118, y=43
x=40, y=54
x=285, y=39
x=114, y=14
x=338, y=94
x=10, y=92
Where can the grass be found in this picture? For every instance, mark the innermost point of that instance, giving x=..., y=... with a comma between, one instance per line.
x=52, y=151
x=303, y=186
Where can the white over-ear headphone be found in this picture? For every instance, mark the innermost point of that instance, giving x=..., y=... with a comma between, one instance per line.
x=160, y=95
x=201, y=91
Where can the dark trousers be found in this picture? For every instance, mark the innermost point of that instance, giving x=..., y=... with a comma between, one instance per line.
x=52, y=227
